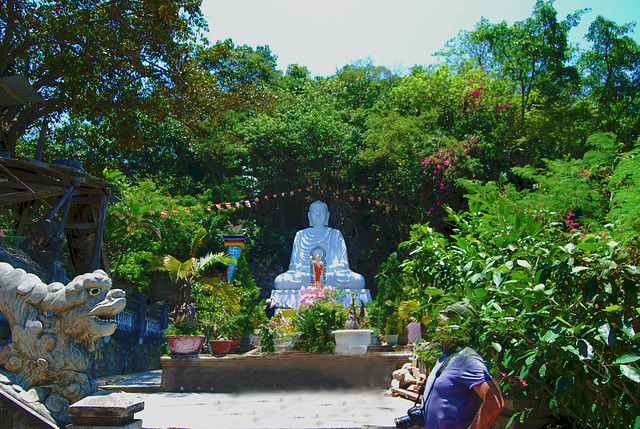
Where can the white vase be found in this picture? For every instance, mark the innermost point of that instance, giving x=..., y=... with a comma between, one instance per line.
x=283, y=344
x=391, y=340
x=352, y=341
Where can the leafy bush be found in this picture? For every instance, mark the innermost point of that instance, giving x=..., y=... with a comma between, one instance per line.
x=560, y=308
x=383, y=312
x=315, y=323
x=251, y=315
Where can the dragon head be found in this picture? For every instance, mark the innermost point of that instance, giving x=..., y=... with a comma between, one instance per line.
x=86, y=307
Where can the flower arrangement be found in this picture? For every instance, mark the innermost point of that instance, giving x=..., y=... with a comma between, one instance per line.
x=316, y=292
x=279, y=327
x=275, y=328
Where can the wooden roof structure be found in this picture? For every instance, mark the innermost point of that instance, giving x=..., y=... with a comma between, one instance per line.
x=49, y=202
x=71, y=204
x=16, y=90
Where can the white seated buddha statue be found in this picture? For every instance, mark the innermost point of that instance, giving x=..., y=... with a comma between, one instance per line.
x=323, y=248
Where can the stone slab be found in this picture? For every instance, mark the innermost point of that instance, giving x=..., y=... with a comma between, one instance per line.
x=104, y=409
x=135, y=424
x=16, y=414
x=279, y=371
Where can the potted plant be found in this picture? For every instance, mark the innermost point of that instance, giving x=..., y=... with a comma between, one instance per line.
x=391, y=281
x=277, y=334
x=214, y=318
x=183, y=339
x=318, y=315
x=354, y=338
x=193, y=274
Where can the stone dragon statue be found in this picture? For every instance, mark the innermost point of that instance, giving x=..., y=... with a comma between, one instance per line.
x=53, y=329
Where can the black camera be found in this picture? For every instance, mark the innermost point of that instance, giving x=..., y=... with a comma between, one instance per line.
x=414, y=417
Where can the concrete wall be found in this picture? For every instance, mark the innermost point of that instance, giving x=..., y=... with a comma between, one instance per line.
x=279, y=371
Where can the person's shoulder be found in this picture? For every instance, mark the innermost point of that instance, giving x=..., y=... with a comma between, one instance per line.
x=469, y=354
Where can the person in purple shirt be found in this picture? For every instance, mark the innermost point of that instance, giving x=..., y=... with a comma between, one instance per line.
x=459, y=392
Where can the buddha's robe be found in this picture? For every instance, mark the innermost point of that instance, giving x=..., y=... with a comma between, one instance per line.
x=333, y=254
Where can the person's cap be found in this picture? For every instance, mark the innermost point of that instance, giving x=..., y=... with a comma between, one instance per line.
x=269, y=301
x=462, y=309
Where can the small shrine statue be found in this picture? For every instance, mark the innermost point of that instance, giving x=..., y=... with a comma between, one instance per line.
x=318, y=266
x=353, y=320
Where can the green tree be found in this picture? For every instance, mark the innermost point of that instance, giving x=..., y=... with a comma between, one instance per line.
x=303, y=141
x=534, y=54
x=612, y=77
x=250, y=315
x=192, y=272
x=104, y=58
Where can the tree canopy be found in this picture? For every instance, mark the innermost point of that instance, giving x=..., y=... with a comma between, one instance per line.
x=502, y=167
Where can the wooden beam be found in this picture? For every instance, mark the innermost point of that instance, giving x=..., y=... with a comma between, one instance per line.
x=25, y=244
x=24, y=185
x=97, y=245
x=24, y=196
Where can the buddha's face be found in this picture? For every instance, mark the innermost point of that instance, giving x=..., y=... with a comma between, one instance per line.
x=318, y=215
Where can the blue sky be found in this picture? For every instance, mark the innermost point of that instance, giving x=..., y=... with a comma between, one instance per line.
x=326, y=35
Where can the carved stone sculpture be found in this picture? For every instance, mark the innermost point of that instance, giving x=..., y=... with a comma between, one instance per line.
x=327, y=245
x=53, y=328
x=319, y=254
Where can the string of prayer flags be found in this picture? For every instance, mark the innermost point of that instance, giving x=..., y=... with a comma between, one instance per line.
x=247, y=203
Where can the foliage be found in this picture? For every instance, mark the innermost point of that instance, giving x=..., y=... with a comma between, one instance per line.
x=596, y=192
x=135, y=228
x=192, y=273
x=107, y=59
x=303, y=141
x=560, y=309
x=315, y=323
x=181, y=329
x=266, y=343
x=250, y=315
x=383, y=312
x=611, y=71
x=278, y=327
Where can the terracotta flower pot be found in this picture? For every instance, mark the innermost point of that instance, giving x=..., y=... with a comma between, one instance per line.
x=220, y=347
x=185, y=344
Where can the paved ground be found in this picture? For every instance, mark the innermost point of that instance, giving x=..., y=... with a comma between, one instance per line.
x=319, y=409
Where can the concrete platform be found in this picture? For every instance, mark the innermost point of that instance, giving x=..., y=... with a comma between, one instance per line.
x=319, y=409
x=330, y=409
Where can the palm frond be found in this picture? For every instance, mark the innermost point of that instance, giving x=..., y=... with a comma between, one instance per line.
x=156, y=263
x=225, y=290
x=177, y=270
x=197, y=240
x=213, y=258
